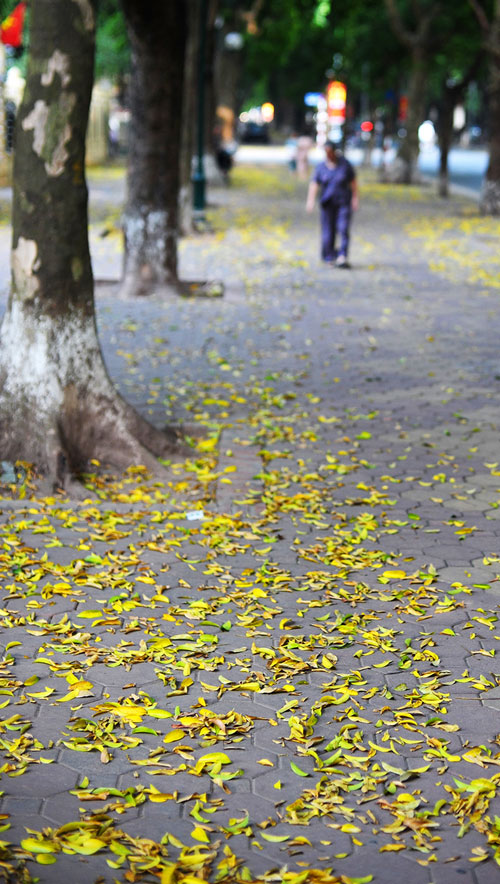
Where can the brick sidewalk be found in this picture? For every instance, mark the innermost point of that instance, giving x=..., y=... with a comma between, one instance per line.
x=319, y=603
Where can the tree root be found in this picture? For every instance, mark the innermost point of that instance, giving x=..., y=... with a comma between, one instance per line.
x=88, y=427
x=136, y=286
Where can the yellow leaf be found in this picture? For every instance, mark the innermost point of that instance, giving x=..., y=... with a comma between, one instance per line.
x=392, y=848
x=168, y=874
x=174, y=736
x=86, y=846
x=35, y=846
x=46, y=859
x=188, y=879
x=265, y=762
x=158, y=713
x=194, y=859
x=200, y=834
x=41, y=695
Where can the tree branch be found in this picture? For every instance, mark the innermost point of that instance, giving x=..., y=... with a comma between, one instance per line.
x=420, y=36
x=404, y=36
x=480, y=15
x=425, y=22
x=490, y=41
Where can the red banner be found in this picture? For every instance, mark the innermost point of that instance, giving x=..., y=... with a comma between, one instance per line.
x=11, y=29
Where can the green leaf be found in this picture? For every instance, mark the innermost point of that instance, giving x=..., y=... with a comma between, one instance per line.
x=274, y=838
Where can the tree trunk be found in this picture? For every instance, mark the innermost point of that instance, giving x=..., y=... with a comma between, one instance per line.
x=151, y=223
x=228, y=66
x=489, y=202
x=213, y=174
x=188, y=129
x=409, y=150
x=445, y=131
x=58, y=407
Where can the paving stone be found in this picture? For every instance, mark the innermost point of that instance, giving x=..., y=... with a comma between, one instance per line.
x=458, y=872
x=486, y=873
x=383, y=867
x=20, y=823
x=85, y=870
x=17, y=807
x=41, y=780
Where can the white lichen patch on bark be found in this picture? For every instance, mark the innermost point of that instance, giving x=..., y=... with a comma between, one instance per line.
x=58, y=63
x=40, y=356
x=56, y=164
x=25, y=263
x=37, y=121
x=43, y=121
x=87, y=14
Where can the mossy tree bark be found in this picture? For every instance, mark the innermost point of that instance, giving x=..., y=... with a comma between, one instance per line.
x=58, y=407
x=157, y=34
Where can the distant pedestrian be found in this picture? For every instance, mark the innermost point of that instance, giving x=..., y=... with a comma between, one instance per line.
x=335, y=180
x=224, y=162
x=304, y=145
x=223, y=155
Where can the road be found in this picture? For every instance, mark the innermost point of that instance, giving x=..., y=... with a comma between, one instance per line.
x=467, y=167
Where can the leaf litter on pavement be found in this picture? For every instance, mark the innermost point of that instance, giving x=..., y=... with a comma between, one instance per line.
x=293, y=638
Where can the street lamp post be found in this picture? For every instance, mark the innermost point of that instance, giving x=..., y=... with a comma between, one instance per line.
x=199, y=180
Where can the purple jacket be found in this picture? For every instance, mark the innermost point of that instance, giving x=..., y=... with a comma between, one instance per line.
x=335, y=183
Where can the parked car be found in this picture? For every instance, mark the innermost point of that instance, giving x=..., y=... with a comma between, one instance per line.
x=254, y=133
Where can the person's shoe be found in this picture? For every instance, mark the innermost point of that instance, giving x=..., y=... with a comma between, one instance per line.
x=341, y=261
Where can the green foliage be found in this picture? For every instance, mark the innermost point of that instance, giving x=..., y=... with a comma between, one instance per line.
x=311, y=39
x=112, y=46
x=289, y=53
x=300, y=44
x=6, y=7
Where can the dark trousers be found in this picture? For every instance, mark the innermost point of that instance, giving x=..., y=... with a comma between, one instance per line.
x=335, y=220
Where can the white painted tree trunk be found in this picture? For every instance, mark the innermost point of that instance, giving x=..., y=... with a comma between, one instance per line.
x=151, y=220
x=489, y=200
x=63, y=411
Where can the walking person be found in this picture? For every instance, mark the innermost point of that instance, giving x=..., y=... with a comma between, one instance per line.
x=335, y=181
x=304, y=145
